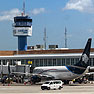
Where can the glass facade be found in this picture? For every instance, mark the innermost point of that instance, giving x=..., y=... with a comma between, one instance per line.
x=54, y=62
x=22, y=21
x=46, y=61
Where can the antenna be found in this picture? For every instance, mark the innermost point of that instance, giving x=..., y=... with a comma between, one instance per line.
x=45, y=38
x=24, y=7
x=65, y=37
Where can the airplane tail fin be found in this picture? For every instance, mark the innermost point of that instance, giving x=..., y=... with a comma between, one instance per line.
x=84, y=60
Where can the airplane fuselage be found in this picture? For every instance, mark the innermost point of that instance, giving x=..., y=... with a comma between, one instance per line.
x=57, y=72
x=69, y=72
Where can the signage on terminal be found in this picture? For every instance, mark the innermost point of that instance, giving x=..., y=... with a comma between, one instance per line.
x=29, y=62
x=23, y=31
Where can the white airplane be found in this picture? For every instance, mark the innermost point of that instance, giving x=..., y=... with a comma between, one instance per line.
x=65, y=73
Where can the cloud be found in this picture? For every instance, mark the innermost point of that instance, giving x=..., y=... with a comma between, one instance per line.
x=80, y=5
x=8, y=15
x=38, y=11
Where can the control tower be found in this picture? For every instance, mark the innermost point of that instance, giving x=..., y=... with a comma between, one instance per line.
x=22, y=28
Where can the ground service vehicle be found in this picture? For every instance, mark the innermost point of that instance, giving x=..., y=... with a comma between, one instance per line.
x=53, y=84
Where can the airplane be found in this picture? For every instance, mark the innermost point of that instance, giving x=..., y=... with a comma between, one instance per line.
x=65, y=73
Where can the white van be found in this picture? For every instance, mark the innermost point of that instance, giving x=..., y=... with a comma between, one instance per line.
x=53, y=84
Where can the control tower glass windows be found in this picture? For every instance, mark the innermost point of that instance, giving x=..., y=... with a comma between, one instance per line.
x=23, y=24
x=22, y=21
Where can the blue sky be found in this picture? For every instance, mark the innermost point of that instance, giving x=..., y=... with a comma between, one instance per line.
x=76, y=15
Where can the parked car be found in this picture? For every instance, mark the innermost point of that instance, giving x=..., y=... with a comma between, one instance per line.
x=53, y=84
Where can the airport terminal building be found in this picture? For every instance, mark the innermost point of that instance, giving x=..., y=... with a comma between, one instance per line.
x=25, y=61
x=56, y=57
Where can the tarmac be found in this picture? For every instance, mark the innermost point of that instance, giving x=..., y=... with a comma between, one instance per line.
x=36, y=89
